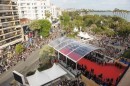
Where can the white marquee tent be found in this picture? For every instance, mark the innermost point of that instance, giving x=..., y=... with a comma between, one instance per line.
x=41, y=78
x=85, y=35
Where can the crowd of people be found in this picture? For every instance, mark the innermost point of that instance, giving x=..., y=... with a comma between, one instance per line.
x=6, y=63
x=76, y=82
x=113, y=47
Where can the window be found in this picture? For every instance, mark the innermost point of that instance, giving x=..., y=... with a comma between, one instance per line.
x=28, y=3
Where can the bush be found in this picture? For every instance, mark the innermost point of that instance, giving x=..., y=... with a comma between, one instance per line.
x=30, y=73
x=44, y=66
x=19, y=49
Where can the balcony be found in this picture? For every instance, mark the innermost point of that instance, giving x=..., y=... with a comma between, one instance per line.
x=14, y=8
x=19, y=32
x=5, y=25
x=9, y=35
x=6, y=20
x=17, y=23
x=13, y=3
x=5, y=2
x=19, y=28
x=9, y=30
x=6, y=14
x=5, y=8
x=4, y=43
x=16, y=18
x=15, y=13
x=11, y=10
x=13, y=39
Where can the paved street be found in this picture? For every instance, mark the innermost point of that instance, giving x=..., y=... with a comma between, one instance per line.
x=21, y=67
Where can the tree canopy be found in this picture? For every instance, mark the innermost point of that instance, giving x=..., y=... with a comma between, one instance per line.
x=103, y=25
x=46, y=53
x=34, y=25
x=19, y=49
x=42, y=26
x=45, y=27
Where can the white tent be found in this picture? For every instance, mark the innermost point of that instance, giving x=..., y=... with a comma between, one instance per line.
x=85, y=35
x=41, y=78
x=75, y=29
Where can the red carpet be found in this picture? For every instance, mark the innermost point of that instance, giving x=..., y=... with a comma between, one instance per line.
x=108, y=71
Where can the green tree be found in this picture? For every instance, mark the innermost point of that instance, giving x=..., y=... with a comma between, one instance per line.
x=124, y=30
x=19, y=49
x=45, y=27
x=46, y=53
x=35, y=26
x=65, y=20
x=78, y=21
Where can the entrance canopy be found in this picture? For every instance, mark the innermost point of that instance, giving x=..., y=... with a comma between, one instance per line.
x=44, y=77
x=71, y=48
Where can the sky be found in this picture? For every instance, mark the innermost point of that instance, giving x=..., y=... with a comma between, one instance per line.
x=93, y=4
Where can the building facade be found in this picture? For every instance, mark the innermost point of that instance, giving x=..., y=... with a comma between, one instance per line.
x=55, y=11
x=35, y=9
x=10, y=28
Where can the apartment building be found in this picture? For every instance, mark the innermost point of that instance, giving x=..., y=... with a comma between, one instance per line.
x=55, y=11
x=10, y=28
x=35, y=9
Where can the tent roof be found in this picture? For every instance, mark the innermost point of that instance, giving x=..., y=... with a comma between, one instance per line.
x=84, y=35
x=71, y=48
x=41, y=78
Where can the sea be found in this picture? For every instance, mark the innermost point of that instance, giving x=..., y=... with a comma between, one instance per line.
x=119, y=14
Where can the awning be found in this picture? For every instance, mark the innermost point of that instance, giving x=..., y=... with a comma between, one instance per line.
x=41, y=78
x=71, y=48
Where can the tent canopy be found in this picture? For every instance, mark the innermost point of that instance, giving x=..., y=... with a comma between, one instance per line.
x=84, y=35
x=41, y=78
x=71, y=48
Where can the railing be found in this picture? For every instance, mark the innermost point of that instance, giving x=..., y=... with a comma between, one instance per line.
x=6, y=14
x=4, y=2
x=7, y=25
x=2, y=42
x=9, y=35
x=13, y=3
x=5, y=8
x=16, y=18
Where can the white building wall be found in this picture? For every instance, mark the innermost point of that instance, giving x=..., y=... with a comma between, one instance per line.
x=35, y=9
